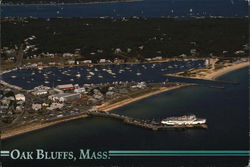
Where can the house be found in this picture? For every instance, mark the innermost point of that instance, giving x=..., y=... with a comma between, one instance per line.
x=68, y=55
x=118, y=50
x=157, y=58
x=65, y=87
x=87, y=61
x=129, y=50
x=54, y=106
x=102, y=61
x=80, y=90
x=36, y=107
x=52, y=63
x=110, y=94
x=70, y=62
x=141, y=47
x=39, y=92
x=207, y=62
x=239, y=52
x=20, y=97
x=193, y=51
x=118, y=61
x=183, y=55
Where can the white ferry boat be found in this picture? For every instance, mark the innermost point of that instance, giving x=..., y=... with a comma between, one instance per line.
x=183, y=120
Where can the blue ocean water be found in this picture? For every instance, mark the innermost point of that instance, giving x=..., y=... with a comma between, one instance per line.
x=147, y=8
x=226, y=111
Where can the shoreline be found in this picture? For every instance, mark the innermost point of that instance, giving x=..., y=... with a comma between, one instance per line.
x=226, y=70
x=213, y=75
x=37, y=126
x=76, y=3
x=106, y=107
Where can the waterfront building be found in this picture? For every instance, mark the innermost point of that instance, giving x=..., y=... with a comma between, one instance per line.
x=39, y=92
x=80, y=90
x=54, y=106
x=65, y=87
x=63, y=97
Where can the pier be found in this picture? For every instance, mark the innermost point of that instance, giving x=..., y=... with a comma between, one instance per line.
x=147, y=124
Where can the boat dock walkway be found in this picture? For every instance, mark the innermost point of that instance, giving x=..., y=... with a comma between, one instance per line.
x=152, y=125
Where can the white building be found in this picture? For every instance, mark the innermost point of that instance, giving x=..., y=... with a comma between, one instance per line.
x=65, y=87
x=80, y=90
x=20, y=97
x=70, y=62
x=102, y=61
x=118, y=50
x=63, y=97
x=39, y=92
x=54, y=106
x=68, y=55
x=36, y=107
x=87, y=61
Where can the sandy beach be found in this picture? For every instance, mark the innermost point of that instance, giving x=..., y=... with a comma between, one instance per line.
x=215, y=74
x=109, y=107
x=211, y=74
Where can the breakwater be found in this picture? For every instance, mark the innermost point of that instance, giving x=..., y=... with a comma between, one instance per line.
x=152, y=125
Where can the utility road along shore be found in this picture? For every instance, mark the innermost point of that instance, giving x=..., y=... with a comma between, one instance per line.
x=36, y=126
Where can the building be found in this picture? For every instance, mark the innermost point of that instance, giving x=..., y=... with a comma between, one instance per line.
x=52, y=63
x=80, y=90
x=70, y=62
x=158, y=58
x=54, y=106
x=68, y=55
x=36, y=107
x=87, y=61
x=102, y=61
x=39, y=92
x=20, y=97
x=63, y=97
x=65, y=87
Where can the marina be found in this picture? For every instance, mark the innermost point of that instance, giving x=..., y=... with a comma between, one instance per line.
x=104, y=74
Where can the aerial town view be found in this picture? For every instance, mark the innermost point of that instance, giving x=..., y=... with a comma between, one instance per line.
x=126, y=81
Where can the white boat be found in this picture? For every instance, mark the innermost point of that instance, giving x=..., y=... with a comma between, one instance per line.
x=183, y=120
x=138, y=73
